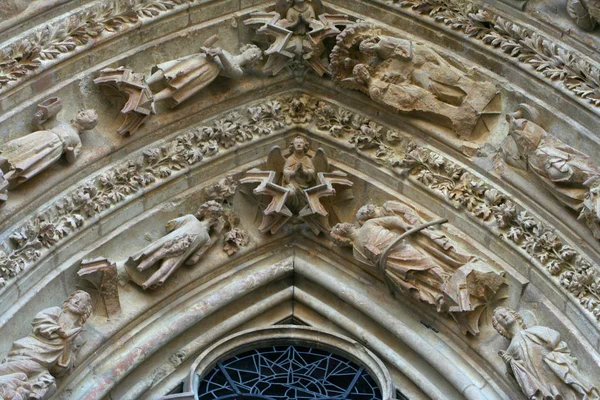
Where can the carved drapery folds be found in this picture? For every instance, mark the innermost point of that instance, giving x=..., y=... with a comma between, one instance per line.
x=421, y=262
x=174, y=81
x=410, y=77
x=539, y=362
x=294, y=187
x=23, y=158
x=50, y=351
x=585, y=13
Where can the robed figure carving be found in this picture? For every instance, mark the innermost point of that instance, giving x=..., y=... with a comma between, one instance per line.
x=540, y=363
x=188, y=239
x=294, y=187
x=24, y=157
x=571, y=176
x=33, y=362
x=420, y=262
x=411, y=77
x=175, y=81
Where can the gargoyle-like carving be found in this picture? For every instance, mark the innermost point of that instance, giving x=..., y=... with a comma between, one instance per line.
x=33, y=362
x=411, y=77
x=103, y=275
x=188, y=239
x=421, y=262
x=585, y=13
x=175, y=80
x=27, y=156
x=539, y=361
x=299, y=29
x=572, y=176
x=295, y=186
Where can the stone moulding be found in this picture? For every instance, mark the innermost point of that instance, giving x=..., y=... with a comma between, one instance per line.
x=545, y=248
x=576, y=72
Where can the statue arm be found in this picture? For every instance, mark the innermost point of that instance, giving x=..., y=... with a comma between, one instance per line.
x=72, y=152
x=229, y=65
x=46, y=324
x=198, y=254
x=391, y=223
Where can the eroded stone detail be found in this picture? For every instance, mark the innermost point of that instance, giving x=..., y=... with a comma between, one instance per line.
x=585, y=13
x=572, y=176
x=23, y=158
x=421, y=262
x=539, y=362
x=103, y=275
x=50, y=351
x=295, y=186
x=410, y=77
x=527, y=46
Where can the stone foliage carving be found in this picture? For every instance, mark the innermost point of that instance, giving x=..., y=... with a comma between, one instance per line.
x=175, y=80
x=548, y=58
x=442, y=177
x=297, y=29
x=34, y=362
x=51, y=43
x=572, y=176
x=295, y=185
x=585, y=13
x=539, y=362
x=420, y=262
x=410, y=77
x=23, y=158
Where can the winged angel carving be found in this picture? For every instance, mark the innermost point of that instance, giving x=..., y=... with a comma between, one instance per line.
x=298, y=29
x=295, y=186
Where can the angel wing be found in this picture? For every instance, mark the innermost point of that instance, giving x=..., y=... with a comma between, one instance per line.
x=320, y=161
x=275, y=162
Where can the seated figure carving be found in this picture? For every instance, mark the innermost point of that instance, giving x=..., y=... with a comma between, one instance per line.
x=572, y=176
x=24, y=157
x=178, y=80
x=411, y=77
x=33, y=362
x=539, y=362
x=420, y=262
x=188, y=239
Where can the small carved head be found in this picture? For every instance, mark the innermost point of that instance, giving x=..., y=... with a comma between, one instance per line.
x=299, y=145
x=361, y=74
x=79, y=303
x=343, y=234
x=251, y=54
x=210, y=211
x=366, y=213
x=504, y=318
x=86, y=119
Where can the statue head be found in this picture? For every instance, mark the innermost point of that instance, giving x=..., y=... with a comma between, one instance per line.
x=526, y=134
x=86, y=120
x=367, y=212
x=250, y=54
x=504, y=319
x=299, y=145
x=343, y=234
x=79, y=303
x=211, y=211
x=361, y=74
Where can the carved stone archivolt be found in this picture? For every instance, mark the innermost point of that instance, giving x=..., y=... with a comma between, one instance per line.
x=50, y=351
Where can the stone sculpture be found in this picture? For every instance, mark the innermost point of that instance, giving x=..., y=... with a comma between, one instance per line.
x=27, y=156
x=295, y=186
x=572, y=176
x=33, y=363
x=175, y=80
x=188, y=239
x=421, y=262
x=3, y=189
x=103, y=275
x=539, y=361
x=298, y=29
x=586, y=13
x=411, y=77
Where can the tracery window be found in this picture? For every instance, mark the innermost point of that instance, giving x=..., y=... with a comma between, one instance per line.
x=288, y=372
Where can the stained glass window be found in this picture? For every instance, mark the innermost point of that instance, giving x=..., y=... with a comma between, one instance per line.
x=288, y=372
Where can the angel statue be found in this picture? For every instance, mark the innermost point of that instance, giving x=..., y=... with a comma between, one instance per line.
x=24, y=157
x=295, y=186
x=298, y=29
x=176, y=80
x=30, y=369
x=539, y=362
x=188, y=239
x=411, y=77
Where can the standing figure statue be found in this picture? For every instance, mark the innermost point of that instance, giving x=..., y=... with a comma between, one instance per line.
x=299, y=16
x=50, y=351
x=188, y=239
x=572, y=176
x=176, y=80
x=540, y=362
x=27, y=156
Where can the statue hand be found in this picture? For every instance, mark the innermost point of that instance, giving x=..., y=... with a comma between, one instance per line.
x=505, y=356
